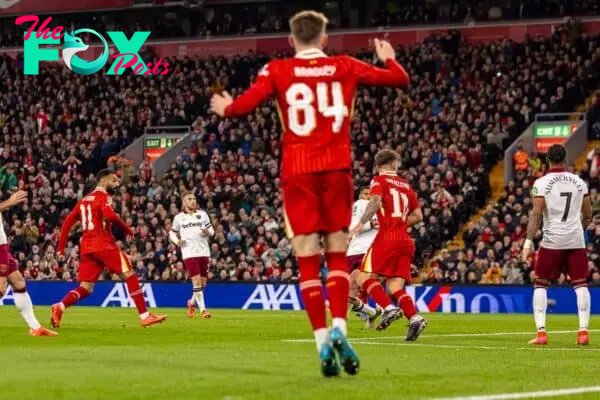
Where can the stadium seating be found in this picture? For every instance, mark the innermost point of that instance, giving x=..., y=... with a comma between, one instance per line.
x=492, y=251
x=465, y=103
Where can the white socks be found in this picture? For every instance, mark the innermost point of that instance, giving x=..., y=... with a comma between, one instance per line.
x=370, y=311
x=321, y=337
x=583, y=307
x=198, y=296
x=25, y=307
x=341, y=324
x=144, y=315
x=540, y=304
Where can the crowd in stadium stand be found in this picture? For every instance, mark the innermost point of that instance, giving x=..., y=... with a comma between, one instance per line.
x=464, y=105
x=493, y=245
x=260, y=18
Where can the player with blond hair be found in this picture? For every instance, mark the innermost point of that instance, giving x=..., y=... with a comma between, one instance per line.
x=190, y=231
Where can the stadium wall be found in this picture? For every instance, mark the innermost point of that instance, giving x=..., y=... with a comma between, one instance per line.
x=267, y=296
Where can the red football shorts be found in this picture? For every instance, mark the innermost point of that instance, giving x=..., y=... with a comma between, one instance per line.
x=197, y=266
x=8, y=265
x=355, y=261
x=318, y=203
x=91, y=265
x=550, y=263
x=389, y=258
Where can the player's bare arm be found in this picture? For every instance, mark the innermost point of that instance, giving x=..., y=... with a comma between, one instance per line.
x=16, y=198
x=535, y=220
x=415, y=217
x=370, y=211
x=586, y=212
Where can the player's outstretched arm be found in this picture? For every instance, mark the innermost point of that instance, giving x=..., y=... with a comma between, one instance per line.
x=111, y=216
x=263, y=88
x=16, y=198
x=393, y=75
x=68, y=224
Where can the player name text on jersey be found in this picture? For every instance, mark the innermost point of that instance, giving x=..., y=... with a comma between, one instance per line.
x=566, y=178
x=312, y=72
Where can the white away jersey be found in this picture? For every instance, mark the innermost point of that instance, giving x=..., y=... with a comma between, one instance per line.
x=360, y=243
x=190, y=227
x=563, y=193
x=3, y=237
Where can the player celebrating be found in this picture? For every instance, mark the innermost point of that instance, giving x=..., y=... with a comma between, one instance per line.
x=9, y=273
x=356, y=251
x=315, y=94
x=99, y=250
x=190, y=231
x=392, y=251
x=561, y=199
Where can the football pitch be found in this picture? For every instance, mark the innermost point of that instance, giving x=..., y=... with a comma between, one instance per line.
x=104, y=354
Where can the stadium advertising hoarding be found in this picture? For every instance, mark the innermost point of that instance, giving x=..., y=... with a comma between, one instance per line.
x=548, y=134
x=352, y=41
x=447, y=299
x=9, y=7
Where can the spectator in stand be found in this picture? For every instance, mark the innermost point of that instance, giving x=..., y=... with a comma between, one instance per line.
x=521, y=160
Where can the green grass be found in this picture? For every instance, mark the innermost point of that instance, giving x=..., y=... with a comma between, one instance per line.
x=104, y=354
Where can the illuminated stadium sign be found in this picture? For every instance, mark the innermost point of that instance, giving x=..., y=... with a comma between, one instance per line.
x=547, y=134
x=156, y=146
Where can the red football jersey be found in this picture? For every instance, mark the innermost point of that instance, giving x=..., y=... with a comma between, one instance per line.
x=315, y=99
x=398, y=201
x=96, y=216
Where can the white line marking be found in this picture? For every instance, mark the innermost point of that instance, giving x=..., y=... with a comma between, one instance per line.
x=426, y=336
x=476, y=347
x=528, y=395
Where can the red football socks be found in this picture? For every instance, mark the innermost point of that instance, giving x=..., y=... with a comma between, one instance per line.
x=74, y=296
x=136, y=294
x=338, y=284
x=375, y=291
x=311, y=290
x=405, y=302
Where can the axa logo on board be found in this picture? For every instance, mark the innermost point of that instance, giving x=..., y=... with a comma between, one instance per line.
x=127, y=57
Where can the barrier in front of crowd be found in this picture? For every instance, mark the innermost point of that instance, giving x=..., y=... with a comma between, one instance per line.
x=271, y=296
x=569, y=129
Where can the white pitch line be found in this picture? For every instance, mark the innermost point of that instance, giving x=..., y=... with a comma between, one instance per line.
x=442, y=335
x=528, y=395
x=476, y=347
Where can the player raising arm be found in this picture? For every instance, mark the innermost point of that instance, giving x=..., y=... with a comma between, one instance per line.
x=391, y=253
x=99, y=249
x=9, y=273
x=561, y=200
x=190, y=232
x=314, y=93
